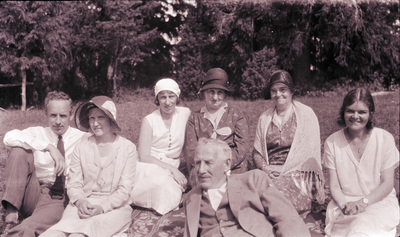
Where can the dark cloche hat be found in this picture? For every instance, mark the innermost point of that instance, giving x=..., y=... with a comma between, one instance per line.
x=280, y=76
x=216, y=78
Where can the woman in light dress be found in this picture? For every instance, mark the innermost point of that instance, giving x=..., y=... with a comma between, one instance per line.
x=101, y=176
x=160, y=183
x=287, y=145
x=361, y=160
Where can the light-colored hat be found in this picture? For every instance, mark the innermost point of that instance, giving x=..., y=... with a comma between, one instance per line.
x=104, y=103
x=216, y=78
x=167, y=84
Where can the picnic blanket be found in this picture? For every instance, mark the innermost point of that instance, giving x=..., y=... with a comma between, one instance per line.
x=147, y=223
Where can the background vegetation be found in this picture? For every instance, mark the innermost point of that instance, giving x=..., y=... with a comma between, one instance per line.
x=106, y=47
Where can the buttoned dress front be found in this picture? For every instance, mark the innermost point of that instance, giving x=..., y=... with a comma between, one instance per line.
x=155, y=187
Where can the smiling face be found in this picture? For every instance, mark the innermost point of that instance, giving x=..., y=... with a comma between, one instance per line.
x=58, y=115
x=356, y=116
x=167, y=100
x=211, y=166
x=281, y=94
x=99, y=122
x=215, y=98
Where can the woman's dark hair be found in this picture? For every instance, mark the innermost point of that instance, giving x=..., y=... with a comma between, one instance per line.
x=358, y=94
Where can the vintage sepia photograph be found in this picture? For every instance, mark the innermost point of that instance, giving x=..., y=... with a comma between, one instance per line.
x=186, y=118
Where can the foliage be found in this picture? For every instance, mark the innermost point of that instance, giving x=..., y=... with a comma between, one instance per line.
x=83, y=47
x=188, y=55
x=102, y=47
x=258, y=71
x=356, y=42
x=30, y=42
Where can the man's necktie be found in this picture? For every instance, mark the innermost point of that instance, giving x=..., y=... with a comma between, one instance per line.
x=57, y=190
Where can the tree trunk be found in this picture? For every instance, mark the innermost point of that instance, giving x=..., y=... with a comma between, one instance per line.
x=23, y=90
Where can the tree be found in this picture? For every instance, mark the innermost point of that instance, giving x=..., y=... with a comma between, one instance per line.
x=29, y=42
x=86, y=48
x=258, y=70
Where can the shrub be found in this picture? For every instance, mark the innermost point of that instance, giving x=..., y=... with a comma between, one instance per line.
x=258, y=71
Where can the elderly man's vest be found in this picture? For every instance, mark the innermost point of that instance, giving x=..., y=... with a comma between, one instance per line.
x=218, y=223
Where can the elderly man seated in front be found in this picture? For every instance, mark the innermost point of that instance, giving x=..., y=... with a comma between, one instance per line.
x=244, y=204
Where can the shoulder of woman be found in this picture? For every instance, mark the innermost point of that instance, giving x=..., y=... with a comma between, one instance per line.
x=197, y=112
x=302, y=106
x=382, y=133
x=155, y=112
x=182, y=109
x=268, y=112
x=85, y=140
x=153, y=115
x=335, y=136
x=125, y=141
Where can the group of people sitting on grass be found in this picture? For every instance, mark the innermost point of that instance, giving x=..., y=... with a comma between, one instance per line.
x=83, y=181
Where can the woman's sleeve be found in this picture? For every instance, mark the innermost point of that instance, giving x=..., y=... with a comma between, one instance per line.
x=258, y=146
x=391, y=156
x=328, y=157
x=241, y=140
x=190, y=142
x=145, y=140
x=75, y=183
x=125, y=184
x=257, y=161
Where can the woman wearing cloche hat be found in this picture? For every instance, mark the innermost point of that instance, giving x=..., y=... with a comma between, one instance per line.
x=218, y=120
x=287, y=145
x=101, y=175
x=159, y=183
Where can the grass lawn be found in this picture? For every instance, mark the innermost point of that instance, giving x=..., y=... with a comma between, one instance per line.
x=132, y=109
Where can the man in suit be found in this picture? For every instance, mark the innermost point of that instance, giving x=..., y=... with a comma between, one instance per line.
x=35, y=169
x=244, y=204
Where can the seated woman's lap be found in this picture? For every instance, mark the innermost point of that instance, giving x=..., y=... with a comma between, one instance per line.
x=286, y=185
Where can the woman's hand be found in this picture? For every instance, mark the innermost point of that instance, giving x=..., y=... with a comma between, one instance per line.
x=272, y=174
x=84, y=208
x=96, y=210
x=179, y=177
x=353, y=208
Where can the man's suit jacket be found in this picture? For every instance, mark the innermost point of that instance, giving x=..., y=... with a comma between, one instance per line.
x=258, y=206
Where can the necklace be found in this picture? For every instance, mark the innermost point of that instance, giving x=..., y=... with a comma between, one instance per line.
x=358, y=144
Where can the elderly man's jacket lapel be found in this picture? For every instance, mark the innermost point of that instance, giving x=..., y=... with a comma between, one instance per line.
x=193, y=211
x=235, y=194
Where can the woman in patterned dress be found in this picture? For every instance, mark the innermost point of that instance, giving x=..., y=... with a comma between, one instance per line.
x=218, y=120
x=287, y=145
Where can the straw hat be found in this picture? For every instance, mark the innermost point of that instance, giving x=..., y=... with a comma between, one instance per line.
x=104, y=103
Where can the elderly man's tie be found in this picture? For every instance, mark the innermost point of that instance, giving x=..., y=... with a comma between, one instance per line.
x=57, y=190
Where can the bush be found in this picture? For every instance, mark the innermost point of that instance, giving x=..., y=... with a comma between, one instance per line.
x=258, y=71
